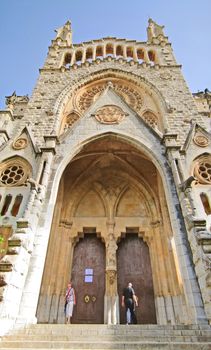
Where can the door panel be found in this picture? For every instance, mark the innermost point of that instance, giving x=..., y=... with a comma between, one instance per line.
x=133, y=265
x=88, y=278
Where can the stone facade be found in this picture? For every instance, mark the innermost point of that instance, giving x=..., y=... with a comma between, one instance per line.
x=110, y=122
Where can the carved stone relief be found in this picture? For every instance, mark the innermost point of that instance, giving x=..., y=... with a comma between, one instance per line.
x=201, y=140
x=20, y=143
x=110, y=114
x=131, y=96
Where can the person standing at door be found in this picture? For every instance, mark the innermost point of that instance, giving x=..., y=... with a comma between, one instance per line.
x=70, y=301
x=129, y=301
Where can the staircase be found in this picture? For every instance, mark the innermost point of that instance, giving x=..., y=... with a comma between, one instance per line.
x=112, y=337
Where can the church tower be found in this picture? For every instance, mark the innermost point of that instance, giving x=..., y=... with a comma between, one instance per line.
x=105, y=178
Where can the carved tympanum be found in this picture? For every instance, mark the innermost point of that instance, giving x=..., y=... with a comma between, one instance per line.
x=131, y=96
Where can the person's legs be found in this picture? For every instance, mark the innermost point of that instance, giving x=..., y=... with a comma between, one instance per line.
x=128, y=315
x=128, y=306
x=71, y=310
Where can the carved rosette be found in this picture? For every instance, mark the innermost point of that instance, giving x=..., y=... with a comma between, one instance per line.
x=201, y=140
x=110, y=114
x=20, y=143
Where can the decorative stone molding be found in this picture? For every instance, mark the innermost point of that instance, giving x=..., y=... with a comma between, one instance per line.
x=150, y=118
x=110, y=114
x=201, y=140
x=85, y=98
x=20, y=143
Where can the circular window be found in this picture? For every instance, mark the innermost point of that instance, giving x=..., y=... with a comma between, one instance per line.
x=202, y=170
x=14, y=172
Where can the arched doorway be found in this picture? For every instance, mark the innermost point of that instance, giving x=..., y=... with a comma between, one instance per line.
x=110, y=186
x=88, y=278
x=133, y=265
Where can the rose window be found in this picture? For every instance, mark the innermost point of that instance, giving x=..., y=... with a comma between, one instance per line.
x=202, y=170
x=13, y=173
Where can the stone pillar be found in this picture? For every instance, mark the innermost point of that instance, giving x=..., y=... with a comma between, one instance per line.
x=111, y=295
x=185, y=241
x=38, y=242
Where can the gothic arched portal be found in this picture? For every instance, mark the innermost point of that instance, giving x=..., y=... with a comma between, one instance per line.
x=111, y=188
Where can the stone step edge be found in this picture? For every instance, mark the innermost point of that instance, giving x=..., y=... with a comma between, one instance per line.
x=104, y=342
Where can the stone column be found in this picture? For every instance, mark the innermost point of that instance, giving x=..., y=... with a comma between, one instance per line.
x=111, y=295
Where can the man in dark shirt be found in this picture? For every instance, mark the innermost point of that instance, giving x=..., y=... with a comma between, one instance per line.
x=128, y=301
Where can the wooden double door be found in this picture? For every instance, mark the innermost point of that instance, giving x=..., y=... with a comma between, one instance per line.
x=88, y=278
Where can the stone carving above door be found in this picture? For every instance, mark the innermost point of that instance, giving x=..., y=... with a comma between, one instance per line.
x=110, y=114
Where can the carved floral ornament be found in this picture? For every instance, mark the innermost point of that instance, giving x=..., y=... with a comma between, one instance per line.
x=110, y=114
x=20, y=143
x=202, y=170
x=201, y=140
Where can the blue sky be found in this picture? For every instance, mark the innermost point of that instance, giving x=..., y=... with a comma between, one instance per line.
x=27, y=28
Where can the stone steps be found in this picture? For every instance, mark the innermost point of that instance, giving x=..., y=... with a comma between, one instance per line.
x=112, y=337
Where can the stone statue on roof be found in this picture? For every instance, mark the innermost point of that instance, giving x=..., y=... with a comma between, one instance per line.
x=65, y=33
x=154, y=30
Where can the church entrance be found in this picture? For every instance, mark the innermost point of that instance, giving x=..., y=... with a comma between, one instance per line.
x=109, y=187
x=88, y=278
x=133, y=265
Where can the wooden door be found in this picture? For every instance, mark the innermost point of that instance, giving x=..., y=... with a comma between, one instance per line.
x=88, y=278
x=133, y=265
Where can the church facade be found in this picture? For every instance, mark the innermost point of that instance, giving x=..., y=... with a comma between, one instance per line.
x=105, y=179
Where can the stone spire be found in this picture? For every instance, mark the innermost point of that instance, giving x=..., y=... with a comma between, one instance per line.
x=64, y=33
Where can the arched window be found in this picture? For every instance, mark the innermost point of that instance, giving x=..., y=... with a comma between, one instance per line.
x=89, y=54
x=205, y=202
x=6, y=205
x=16, y=205
x=109, y=50
x=202, y=169
x=99, y=52
x=129, y=53
x=140, y=55
x=152, y=57
x=67, y=60
x=119, y=51
x=14, y=172
x=78, y=57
